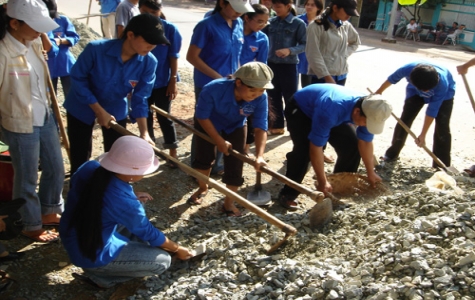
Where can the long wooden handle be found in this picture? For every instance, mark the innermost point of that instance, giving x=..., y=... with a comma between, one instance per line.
x=469, y=92
x=408, y=130
x=286, y=228
x=59, y=119
x=314, y=195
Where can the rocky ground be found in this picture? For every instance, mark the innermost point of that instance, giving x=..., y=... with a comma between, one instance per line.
x=413, y=243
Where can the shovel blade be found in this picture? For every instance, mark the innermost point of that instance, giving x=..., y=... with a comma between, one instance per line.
x=259, y=197
x=321, y=214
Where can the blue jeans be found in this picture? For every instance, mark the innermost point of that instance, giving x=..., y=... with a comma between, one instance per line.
x=26, y=149
x=136, y=259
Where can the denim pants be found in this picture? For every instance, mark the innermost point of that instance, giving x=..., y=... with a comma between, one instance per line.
x=136, y=259
x=285, y=83
x=26, y=149
x=442, y=137
x=342, y=138
x=218, y=163
x=161, y=100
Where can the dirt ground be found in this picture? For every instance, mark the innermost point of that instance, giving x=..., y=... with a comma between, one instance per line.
x=45, y=271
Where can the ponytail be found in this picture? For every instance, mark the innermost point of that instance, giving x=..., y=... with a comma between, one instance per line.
x=323, y=18
x=87, y=215
x=218, y=7
x=287, y=2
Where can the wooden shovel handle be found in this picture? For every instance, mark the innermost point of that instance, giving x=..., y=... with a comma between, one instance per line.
x=286, y=228
x=59, y=119
x=469, y=92
x=314, y=195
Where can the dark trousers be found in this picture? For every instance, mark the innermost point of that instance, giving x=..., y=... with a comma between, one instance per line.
x=250, y=131
x=305, y=80
x=160, y=99
x=65, y=82
x=285, y=83
x=205, y=155
x=342, y=138
x=80, y=140
x=442, y=137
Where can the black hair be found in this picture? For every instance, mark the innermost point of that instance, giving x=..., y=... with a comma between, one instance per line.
x=318, y=5
x=424, y=77
x=259, y=9
x=413, y=19
x=5, y=21
x=87, y=215
x=359, y=104
x=52, y=8
x=218, y=7
x=153, y=4
x=286, y=2
x=322, y=19
x=456, y=23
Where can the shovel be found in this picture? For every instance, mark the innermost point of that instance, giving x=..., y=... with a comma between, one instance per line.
x=451, y=170
x=258, y=196
x=467, y=87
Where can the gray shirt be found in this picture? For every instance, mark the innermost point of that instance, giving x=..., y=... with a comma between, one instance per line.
x=124, y=12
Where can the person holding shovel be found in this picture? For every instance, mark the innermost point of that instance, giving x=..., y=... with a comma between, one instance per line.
x=429, y=84
x=106, y=72
x=221, y=112
x=104, y=227
x=321, y=113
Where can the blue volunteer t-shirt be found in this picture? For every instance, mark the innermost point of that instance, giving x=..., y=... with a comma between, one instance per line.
x=120, y=207
x=109, y=6
x=220, y=46
x=99, y=75
x=255, y=48
x=328, y=106
x=218, y=104
x=444, y=90
x=163, y=52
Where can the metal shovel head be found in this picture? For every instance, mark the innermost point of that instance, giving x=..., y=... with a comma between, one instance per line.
x=321, y=214
x=259, y=197
x=355, y=186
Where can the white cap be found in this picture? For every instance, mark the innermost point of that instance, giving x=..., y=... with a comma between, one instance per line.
x=241, y=6
x=377, y=111
x=33, y=12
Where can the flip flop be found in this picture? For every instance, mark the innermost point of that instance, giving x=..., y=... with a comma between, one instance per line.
x=470, y=171
x=192, y=201
x=230, y=213
x=87, y=280
x=288, y=204
x=36, y=237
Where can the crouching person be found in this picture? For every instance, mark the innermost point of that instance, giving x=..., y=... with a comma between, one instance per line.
x=104, y=227
x=221, y=112
x=321, y=113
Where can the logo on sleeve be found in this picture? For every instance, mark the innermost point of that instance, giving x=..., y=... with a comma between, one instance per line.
x=254, y=48
x=133, y=83
x=246, y=110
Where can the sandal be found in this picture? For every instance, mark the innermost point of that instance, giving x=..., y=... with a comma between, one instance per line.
x=288, y=204
x=197, y=200
x=387, y=159
x=470, y=171
x=41, y=236
x=5, y=281
x=230, y=213
x=87, y=280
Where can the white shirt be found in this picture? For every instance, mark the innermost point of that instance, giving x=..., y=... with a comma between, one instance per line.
x=411, y=26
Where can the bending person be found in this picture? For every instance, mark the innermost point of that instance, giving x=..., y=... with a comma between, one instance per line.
x=321, y=113
x=106, y=72
x=104, y=228
x=427, y=84
x=221, y=112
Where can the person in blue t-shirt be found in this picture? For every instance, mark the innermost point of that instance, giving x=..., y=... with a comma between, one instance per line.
x=221, y=112
x=287, y=37
x=429, y=84
x=255, y=48
x=104, y=228
x=321, y=113
x=215, y=48
x=164, y=89
x=108, y=8
x=104, y=74
x=312, y=9
x=65, y=36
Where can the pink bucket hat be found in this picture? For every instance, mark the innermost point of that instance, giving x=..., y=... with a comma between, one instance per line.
x=130, y=155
